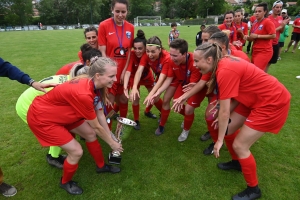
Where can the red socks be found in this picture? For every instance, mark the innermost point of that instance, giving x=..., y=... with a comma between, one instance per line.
x=148, y=108
x=68, y=171
x=249, y=170
x=164, y=117
x=136, y=112
x=213, y=132
x=158, y=104
x=116, y=107
x=188, y=121
x=96, y=152
x=123, y=109
x=229, y=141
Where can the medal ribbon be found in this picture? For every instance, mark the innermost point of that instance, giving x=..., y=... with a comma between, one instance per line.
x=120, y=42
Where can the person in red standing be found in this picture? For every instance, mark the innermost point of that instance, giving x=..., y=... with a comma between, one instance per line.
x=295, y=35
x=279, y=27
x=228, y=25
x=91, y=37
x=235, y=80
x=139, y=50
x=241, y=28
x=251, y=20
x=158, y=59
x=115, y=39
x=261, y=34
x=80, y=103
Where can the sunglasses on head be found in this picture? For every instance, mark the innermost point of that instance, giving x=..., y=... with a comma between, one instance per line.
x=94, y=37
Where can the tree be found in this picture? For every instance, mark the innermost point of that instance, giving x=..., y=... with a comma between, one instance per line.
x=16, y=12
x=141, y=8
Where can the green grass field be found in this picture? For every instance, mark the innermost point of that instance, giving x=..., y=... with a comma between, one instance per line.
x=152, y=167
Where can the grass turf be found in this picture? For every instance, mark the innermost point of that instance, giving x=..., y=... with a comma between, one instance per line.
x=152, y=167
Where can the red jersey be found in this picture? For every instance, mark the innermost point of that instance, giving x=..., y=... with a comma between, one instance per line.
x=244, y=27
x=118, y=41
x=160, y=65
x=185, y=73
x=233, y=34
x=276, y=21
x=252, y=19
x=68, y=103
x=134, y=64
x=80, y=56
x=296, y=23
x=264, y=27
x=65, y=70
x=232, y=47
x=240, y=80
x=240, y=54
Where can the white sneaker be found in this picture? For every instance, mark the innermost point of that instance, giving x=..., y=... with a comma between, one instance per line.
x=182, y=125
x=183, y=136
x=298, y=77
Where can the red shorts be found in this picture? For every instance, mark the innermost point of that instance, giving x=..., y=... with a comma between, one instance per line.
x=194, y=100
x=261, y=58
x=272, y=122
x=116, y=89
x=148, y=82
x=50, y=134
x=242, y=110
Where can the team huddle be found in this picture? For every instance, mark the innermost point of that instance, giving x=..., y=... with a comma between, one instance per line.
x=244, y=101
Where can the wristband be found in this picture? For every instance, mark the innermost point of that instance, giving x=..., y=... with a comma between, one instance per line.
x=31, y=81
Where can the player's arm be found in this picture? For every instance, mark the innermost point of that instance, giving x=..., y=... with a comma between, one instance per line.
x=102, y=49
x=100, y=131
x=137, y=77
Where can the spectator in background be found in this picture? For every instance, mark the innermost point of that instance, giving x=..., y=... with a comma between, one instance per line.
x=298, y=16
x=174, y=33
x=295, y=35
x=199, y=35
x=284, y=34
x=250, y=22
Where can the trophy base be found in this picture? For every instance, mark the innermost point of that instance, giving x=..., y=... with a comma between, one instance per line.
x=113, y=159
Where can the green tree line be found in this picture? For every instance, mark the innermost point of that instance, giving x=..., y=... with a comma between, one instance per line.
x=20, y=12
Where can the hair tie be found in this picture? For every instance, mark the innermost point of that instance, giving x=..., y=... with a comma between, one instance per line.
x=94, y=59
x=154, y=45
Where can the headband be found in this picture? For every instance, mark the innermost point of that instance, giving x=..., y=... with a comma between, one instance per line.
x=277, y=2
x=154, y=45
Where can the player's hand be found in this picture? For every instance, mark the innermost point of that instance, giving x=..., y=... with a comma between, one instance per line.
x=115, y=146
x=134, y=94
x=178, y=103
x=217, y=148
x=41, y=86
x=188, y=87
x=126, y=93
x=215, y=124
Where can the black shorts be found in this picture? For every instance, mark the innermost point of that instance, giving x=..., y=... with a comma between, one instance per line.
x=295, y=36
x=275, y=54
x=281, y=44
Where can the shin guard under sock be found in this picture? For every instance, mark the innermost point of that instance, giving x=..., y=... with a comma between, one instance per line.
x=229, y=141
x=148, y=108
x=136, y=112
x=158, y=104
x=123, y=109
x=96, y=152
x=164, y=117
x=68, y=171
x=188, y=121
x=249, y=170
x=213, y=132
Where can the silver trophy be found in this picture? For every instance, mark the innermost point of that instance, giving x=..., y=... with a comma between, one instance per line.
x=121, y=133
